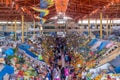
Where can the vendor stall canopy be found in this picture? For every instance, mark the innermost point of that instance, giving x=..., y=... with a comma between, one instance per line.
x=39, y=10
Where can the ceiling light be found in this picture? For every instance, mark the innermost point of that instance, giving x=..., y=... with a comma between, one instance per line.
x=115, y=21
x=22, y=9
x=61, y=22
x=10, y=22
x=3, y=22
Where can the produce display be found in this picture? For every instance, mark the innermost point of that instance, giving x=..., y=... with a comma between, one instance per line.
x=33, y=59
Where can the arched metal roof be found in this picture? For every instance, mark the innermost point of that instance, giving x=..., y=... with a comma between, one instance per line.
x=76, y=9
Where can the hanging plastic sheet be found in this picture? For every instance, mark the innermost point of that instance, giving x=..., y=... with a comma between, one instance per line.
x=102, y=45
x=97, y=44
x=26, y=46
x=29, y=53
x=92, y=42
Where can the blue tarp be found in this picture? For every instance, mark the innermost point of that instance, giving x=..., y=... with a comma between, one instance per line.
x=27, y=51
x=115, y=62
x=97, y=36
x=85, y=32
x=102, y=45
x=92, y=42
x=117, y=69
x=25, y=48
x=6, y=70
x=9, y=52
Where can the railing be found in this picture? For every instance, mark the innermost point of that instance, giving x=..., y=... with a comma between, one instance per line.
x=68, y=30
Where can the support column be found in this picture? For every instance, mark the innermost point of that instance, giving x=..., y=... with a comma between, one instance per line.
x=81, y=22
x=12, y=25
x=107, y=27
x=22, y=28
x=101, y=25
x=15, y=31
x=110, y=26
x=34, y=26
x=96, y=24
x=89, y=31
x=26, y=29
x=41, y=29
x=81, y=28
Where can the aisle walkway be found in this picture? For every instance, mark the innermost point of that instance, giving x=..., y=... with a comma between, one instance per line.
x=60, y=65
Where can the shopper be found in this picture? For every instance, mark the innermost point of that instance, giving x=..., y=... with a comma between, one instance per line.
x=56, y=73
x=62, y=73
x=84, y=73
x=66, y=71
x=48, y=76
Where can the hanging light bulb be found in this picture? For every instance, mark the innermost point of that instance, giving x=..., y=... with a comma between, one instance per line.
x=22, y=9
